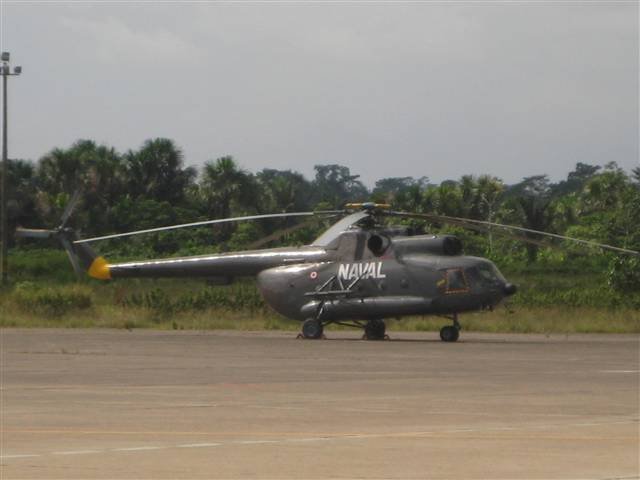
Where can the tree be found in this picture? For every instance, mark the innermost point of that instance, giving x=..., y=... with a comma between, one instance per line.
x=444, y=199
x=387, y=190
x=610, y=207
x=531, y=201
x=487, y=200
x=62, y=170
x=283, y=191
x=489, y=196
x=223, y=186
x=157, y=172
x=96, y=170
x=410, y=199
x=469, y=195
x=606, y=190
x=21, y=195
x=576, y=179
x=335, y=185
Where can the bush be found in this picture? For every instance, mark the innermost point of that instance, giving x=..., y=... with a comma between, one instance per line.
x=52, y=264
x=548, y=290
x=624, y=274
x=51, y=301
x=241, y=296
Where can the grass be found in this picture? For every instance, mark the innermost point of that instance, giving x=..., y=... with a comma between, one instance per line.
x=527, y=320
x=116, y=317
x=192, y=306
x=536, y=320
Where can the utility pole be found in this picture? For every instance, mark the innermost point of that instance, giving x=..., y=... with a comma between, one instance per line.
x=5, y=71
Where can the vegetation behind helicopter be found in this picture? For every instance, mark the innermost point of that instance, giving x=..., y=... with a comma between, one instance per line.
x=358, y=273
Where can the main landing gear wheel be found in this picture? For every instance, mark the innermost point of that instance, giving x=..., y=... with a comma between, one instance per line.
x=449, y=333
x=312, y=329
x=375, y=329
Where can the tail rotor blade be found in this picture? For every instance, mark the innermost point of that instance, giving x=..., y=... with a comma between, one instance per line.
x=72, y=258
x=33, y=233
x=70, y=207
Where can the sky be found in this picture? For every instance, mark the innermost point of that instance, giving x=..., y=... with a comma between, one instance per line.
x=389, y=89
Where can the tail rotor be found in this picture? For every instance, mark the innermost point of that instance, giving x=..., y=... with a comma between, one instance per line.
x=80, y=256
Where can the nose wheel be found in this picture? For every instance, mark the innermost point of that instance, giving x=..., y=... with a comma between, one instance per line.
x=451, y=333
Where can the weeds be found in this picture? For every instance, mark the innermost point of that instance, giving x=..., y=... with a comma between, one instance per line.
x=546, y=303
x=236, y=297
x=51, y=301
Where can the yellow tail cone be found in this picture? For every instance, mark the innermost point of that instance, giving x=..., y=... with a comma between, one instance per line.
x=100, y=269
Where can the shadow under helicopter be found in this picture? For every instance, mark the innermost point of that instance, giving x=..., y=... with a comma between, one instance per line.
x=391, y=339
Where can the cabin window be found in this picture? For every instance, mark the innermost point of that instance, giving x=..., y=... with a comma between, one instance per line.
x=456, y=281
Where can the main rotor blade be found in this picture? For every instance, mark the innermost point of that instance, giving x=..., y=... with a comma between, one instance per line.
x=337, y=228
x=507, y=233
x=33, y=233
x=70, y=208
x=209, y=222
x=467, y=223
x=280, y=233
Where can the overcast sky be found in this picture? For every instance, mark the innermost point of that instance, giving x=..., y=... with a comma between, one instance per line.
x=439, y=89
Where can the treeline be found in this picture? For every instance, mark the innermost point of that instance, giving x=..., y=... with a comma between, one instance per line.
x=152, y=187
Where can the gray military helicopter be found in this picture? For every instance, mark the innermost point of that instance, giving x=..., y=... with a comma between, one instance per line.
x=358, y=273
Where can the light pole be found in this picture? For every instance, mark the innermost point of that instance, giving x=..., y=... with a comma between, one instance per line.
x=5, y=71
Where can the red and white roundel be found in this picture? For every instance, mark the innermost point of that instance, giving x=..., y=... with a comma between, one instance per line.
x=313, y=275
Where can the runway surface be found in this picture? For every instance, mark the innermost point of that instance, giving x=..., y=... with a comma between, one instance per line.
x=151, y=404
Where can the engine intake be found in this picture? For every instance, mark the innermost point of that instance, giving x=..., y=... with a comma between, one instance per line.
x=378, y=244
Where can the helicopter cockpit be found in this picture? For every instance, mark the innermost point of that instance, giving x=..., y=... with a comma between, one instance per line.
x=489, y=275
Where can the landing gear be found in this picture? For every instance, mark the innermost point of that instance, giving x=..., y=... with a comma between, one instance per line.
x=451, y=333
x=311, y=329
x=375, y=329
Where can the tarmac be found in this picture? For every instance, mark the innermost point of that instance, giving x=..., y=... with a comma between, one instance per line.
x=187, y=404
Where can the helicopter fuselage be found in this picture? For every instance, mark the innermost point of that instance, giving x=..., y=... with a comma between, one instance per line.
x=403, y=279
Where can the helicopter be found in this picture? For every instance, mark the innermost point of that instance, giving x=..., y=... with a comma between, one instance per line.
x=358, y=273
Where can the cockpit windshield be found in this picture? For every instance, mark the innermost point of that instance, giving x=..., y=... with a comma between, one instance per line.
x=489, y=273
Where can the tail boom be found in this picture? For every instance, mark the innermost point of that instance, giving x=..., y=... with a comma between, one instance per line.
x=233, y=264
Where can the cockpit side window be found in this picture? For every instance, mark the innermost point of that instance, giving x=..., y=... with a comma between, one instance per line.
x=456, y=281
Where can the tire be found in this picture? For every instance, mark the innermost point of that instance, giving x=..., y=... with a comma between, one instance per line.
x=375, y=329
x=312, y=328
x=449, y=334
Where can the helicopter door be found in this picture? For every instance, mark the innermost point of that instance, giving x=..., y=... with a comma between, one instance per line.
x=456, y=281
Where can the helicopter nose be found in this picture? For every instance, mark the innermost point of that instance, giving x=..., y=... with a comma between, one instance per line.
x=509, y=289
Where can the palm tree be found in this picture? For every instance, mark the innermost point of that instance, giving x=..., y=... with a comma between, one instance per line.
x=157, y=172
x=537, y=216
x=282, y=191
x=469, y=196
x=96, y=170
x=60, y=171
x=224, y=183
x=487, y=201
